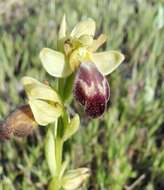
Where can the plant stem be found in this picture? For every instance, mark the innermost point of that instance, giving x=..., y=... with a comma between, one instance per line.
x=59, y=151
x=58, y=139
x=58, y=142
x=55, y=184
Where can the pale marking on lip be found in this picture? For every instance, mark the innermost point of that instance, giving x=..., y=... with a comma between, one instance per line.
x=87, y=66
x=102, y=88
x=90, y=90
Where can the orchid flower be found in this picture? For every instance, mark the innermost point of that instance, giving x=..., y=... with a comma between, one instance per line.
x=77, y=47
x=44, y=102
x=77, y=53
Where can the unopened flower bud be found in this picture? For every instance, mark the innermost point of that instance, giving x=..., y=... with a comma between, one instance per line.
x=20, y=123
x=75, y=178
x=91, y=89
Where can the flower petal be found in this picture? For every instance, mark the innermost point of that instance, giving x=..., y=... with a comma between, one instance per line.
x=86, y=27
x=108, y=61
x=54, y=63
x=63, y=28
x=44, y=112
x=98, y=42
x=38, y=90
x=86, y=40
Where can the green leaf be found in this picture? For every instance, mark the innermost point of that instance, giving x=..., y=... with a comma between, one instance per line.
x=64, y=166
x=50, y=152
x=72, y=127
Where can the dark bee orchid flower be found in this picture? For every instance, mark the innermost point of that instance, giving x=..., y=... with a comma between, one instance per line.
x=77, y=53
x=91, y=89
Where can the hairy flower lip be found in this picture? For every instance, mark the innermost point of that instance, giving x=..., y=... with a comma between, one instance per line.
x=95, y=106
x=91, y=89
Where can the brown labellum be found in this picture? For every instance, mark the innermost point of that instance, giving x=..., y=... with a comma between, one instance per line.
x=91, y=89
x=20, y=123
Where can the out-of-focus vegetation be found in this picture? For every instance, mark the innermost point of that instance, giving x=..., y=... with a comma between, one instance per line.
x=125, y=148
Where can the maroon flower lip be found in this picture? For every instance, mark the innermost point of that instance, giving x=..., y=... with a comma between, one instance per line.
x=91, y=89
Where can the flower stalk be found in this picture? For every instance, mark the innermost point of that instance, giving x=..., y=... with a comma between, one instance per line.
x=59, y=151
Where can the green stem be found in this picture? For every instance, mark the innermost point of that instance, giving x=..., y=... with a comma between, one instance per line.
x=58, y=139
x=56, y=181
x=58, y=130
x=59, y=151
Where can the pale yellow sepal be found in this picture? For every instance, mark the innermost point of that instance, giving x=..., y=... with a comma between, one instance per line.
x=108, y=61
x=63, y=28
x=45, y=103
x=38, y=90
x=45, y=112
x=75, y=178
x=86, y=27
x=54, y=63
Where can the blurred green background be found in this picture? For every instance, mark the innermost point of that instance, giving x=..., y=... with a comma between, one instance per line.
x=125, y=148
